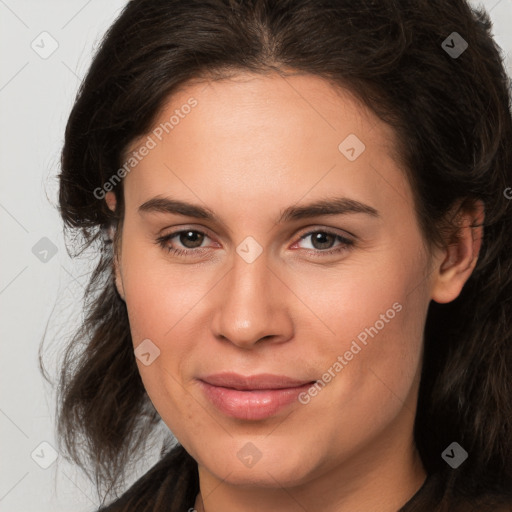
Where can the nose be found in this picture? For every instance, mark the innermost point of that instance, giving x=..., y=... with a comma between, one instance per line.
x=252, y=305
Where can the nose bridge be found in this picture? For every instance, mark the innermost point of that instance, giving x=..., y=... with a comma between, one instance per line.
x=248, y=308
x=250, y=280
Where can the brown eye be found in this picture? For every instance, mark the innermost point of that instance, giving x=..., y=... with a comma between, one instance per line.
x=190, y=239
x=322, y=242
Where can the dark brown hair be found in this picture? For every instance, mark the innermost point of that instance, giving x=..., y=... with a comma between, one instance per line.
x=453, y=121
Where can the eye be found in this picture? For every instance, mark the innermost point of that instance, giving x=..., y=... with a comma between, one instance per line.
x=191, y=239
x=322, y=242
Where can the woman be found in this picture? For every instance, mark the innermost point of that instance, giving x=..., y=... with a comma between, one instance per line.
x=310, y=272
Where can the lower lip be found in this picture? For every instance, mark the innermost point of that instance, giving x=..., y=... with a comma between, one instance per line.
x=251, y=405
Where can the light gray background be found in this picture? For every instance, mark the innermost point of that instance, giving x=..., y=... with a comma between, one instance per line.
x=36, y=95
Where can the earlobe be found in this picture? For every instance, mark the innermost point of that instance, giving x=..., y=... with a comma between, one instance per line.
x=460, y=256
x=110, y=199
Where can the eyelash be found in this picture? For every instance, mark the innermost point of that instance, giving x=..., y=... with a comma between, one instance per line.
x=346, y=243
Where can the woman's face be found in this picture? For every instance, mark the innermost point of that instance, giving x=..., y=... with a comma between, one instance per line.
x=270, y=284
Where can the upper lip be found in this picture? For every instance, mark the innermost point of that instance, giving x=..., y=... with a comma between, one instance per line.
x=249, y=382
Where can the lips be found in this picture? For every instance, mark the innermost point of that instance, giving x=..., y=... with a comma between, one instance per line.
x=253, y=382
x=253, y=397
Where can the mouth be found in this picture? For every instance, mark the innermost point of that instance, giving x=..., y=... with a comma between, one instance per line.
x=254, y=397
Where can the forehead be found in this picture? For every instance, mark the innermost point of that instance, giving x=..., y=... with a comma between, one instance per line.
x=253, y=135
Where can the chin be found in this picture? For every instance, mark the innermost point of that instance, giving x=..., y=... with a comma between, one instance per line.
x=278, y=466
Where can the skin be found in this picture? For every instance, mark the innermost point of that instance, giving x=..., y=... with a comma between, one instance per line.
x=253, y=146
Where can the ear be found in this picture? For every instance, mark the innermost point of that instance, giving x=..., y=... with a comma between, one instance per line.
x=110, y=199
x=457, y=261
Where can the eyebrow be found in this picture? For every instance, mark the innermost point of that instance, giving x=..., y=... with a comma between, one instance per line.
x=331, y=206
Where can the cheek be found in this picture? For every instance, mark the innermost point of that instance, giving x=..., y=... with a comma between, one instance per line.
x=159, y=295
x=369, y=328
x=381, y=292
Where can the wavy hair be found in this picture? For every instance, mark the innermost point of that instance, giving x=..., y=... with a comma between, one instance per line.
x=452, y=116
